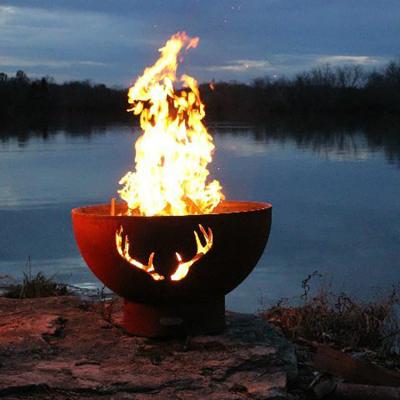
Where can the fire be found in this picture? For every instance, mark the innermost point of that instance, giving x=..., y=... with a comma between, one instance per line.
x=182, y=269
x=172, y=154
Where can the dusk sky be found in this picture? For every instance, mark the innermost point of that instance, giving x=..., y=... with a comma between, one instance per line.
x=113, y=41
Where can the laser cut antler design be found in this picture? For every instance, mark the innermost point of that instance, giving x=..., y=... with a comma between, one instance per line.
x=184, y=266
x=123, y=250
x=123, y=247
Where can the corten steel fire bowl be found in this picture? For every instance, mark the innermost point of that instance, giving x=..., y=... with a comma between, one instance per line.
x=194, y=304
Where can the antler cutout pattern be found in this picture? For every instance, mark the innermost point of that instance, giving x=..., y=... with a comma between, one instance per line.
x=183, y=267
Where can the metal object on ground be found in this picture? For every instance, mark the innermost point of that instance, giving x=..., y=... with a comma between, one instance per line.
x=165, y=307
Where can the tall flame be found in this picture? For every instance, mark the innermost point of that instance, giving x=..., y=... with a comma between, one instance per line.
x=175, y=148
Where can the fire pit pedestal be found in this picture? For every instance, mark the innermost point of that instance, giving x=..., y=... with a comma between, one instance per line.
x=169, y=320
x=144, y=273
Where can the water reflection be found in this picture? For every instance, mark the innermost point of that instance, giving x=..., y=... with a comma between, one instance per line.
x=332, y=183
x=77, y=125
x=327, y=137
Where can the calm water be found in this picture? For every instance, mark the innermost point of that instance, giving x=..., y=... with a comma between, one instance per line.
x=335, y=192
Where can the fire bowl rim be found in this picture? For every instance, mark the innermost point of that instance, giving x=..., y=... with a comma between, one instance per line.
x=89, y=210
x=241, y=228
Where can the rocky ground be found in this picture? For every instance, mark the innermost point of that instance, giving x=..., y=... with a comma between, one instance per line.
x=65, y=348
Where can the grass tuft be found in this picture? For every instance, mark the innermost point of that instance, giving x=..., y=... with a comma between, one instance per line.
x=36, y=286
x=339, y=320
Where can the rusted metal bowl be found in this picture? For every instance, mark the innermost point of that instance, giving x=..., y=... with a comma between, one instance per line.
x=240, y=233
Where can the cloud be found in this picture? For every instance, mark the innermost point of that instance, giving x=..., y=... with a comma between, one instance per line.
x=341, y=59
x=74, y=44
x=4, y=10
x=239, y=39
x=17, y=62
x=280, y=65
x=240, y=66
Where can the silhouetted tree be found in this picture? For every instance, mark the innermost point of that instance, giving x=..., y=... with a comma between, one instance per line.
x=21, y=76
x=346, y=90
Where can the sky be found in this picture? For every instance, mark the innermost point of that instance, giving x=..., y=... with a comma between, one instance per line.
x=112, y=41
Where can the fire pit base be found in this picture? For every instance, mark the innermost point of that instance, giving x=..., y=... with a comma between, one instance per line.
x=172, y=320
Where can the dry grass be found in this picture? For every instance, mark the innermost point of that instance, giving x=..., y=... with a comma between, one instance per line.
x=33, y=286
x=36, y=286
x=339, y=320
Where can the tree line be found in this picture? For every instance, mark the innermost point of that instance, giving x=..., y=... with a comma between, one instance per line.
x=21, y=96
x=345, y=90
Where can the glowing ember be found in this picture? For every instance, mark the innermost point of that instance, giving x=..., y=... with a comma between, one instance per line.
x=175, y=148
x=123, y=247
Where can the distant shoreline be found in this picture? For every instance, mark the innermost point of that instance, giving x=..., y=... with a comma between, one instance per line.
x=347, y=91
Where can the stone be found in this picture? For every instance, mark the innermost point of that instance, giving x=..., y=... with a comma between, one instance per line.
x=64, y=348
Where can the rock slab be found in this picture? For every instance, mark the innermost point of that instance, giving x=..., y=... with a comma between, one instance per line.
x=64, y=348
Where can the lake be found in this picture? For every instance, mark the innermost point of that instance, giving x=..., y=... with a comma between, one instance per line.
x=335, y=190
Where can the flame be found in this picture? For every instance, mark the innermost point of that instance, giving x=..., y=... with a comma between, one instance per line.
x=123, y=246
x=172, y=154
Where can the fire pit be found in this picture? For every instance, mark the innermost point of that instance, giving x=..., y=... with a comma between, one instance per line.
x=194, y=304
x=175, y=247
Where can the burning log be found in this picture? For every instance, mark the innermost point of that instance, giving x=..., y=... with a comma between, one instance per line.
x=112, y=207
